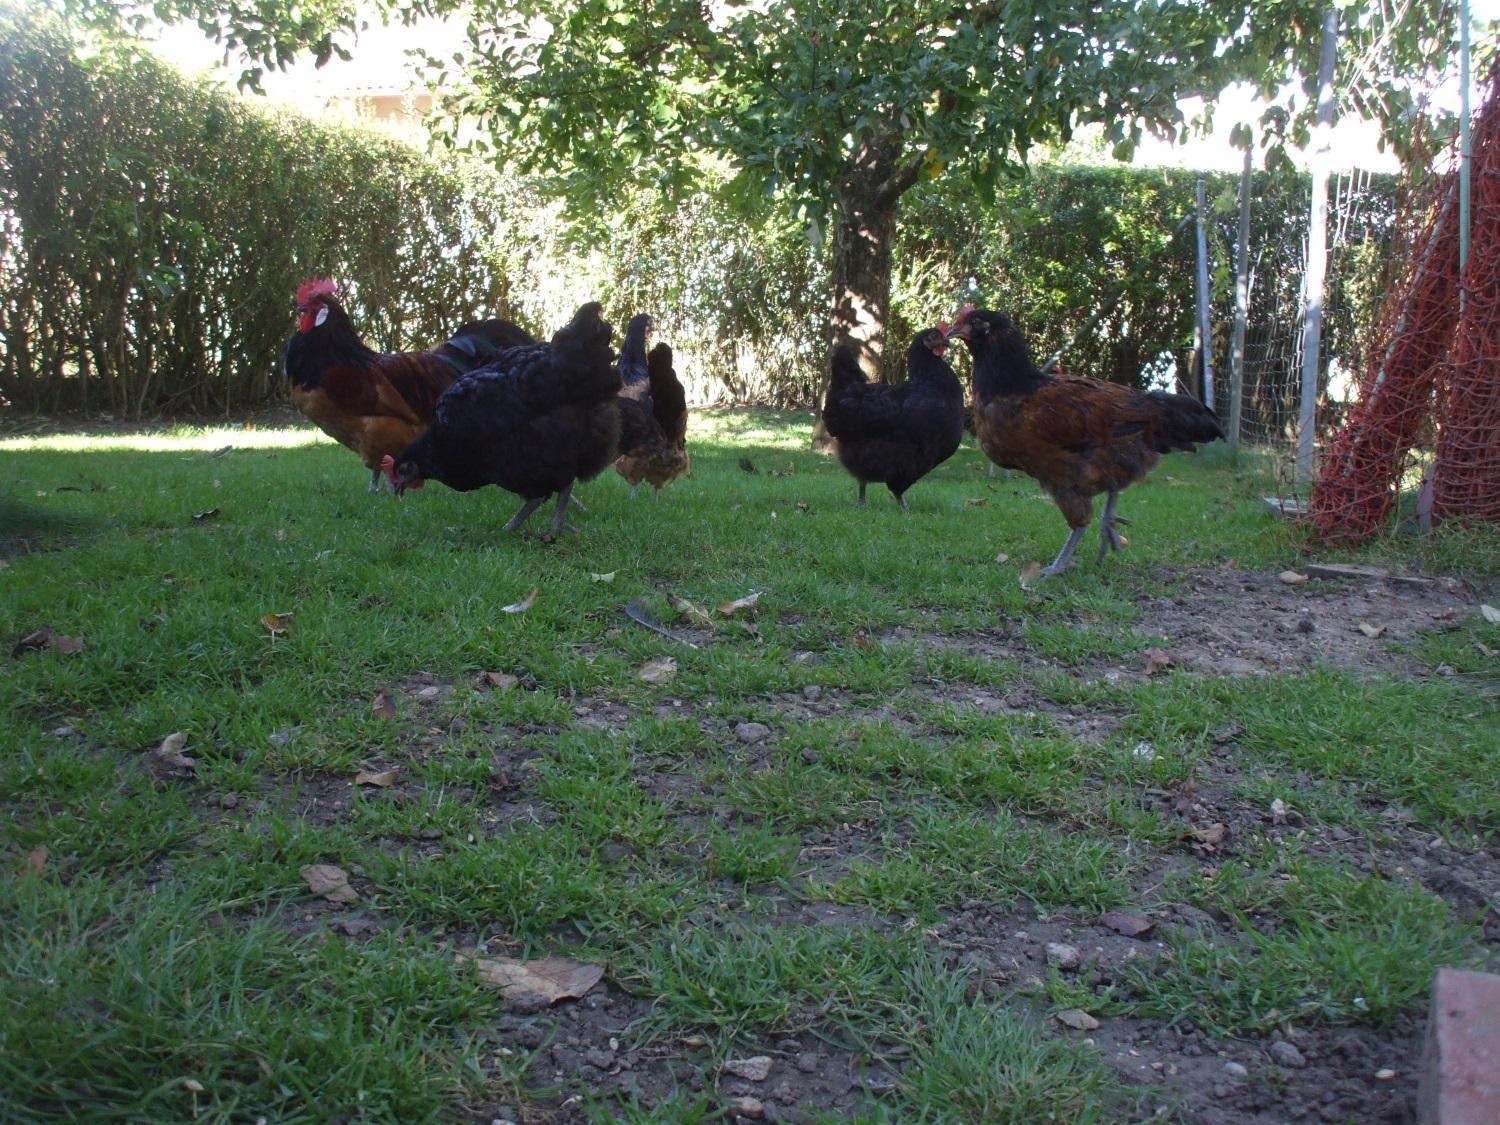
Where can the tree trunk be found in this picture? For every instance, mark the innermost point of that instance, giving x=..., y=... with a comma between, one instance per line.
x=864, y=231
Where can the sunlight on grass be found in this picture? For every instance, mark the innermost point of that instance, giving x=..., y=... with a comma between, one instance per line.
x=177, y=439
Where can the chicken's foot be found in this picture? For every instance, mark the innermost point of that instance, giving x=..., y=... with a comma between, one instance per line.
x=378, y=481
x=1109, y=538
x=1065, y=556
x=634, y=488
x=559, y=523
x=524, y=514
x=861, y=500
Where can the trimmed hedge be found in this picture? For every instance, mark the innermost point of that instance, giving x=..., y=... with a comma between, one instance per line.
x=154, y=230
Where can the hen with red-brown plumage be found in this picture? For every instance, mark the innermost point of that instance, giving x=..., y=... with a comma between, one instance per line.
x=376, y=403
x=1077, y=437
x=653, y=412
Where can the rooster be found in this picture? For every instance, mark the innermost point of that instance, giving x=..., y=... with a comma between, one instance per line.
x=372, y=402
x=533, y=421
x=1077, y=437
x=896, y=435
x=653, y=413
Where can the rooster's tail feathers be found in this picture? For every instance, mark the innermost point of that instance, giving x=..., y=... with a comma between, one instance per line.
x=1185, y=422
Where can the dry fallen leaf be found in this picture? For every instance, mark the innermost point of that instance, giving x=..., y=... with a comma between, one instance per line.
x=976, y=501
x=1371, y=631
x=610, y=577
x=1131, y=925
x=277, y=623
x=524, y=604
x=691, y=610
x=206, y=514
x=1490, y=614
x=36, y=860
x=1292, y=578
x=1157, y=660
x=747, y=602
x=68, y=646
x=1030, y=573
x=1210, y=835
x=37, y=638
x=329, y=881
x=556, y=978
x=170, y=751
x=1077, y=1019
x=1278, y=811
x=658, y=671
x=384, y=779
x=500, y=681
x=383, y=706
x=1002, y=557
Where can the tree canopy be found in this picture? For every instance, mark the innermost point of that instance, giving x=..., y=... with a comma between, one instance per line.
x=836, y=109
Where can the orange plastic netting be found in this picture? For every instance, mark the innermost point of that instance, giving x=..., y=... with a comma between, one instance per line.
x=1435, y=372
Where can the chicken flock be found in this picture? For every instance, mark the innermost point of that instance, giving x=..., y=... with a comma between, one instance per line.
x=493, y=405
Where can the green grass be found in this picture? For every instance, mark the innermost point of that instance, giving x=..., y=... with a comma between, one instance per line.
x=940, y=737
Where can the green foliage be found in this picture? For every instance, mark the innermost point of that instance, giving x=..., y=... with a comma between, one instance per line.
x=154, y=230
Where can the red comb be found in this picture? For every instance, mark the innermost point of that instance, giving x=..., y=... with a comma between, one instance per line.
x=316, y=287
x=963, y=314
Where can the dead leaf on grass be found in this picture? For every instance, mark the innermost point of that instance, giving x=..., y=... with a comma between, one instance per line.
x=556, y=978
x=1371, y=631
x=330, y=882
x=383, y=780
x=1077, y=1019
x=1130, y=925
x=1030, y=574
x=383, y=706
x=277, y=623
x=68, y=646
x=36, y=639
x=1210, y=836
x=804, y=507
x=500, y=681
x=728, y=609
x=610, y=577
x=976, y=501
x=1292, y=578
x=36, y=860
x=524, y=604
x=658, y=671
x=1490, y=614
x=170, y=751
x=1279, y=810
x=691, y=610
x=1158, y=660
x=206, y=514
x=1002, y=557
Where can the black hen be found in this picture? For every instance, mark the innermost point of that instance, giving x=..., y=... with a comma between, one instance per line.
x=533, y=421
x=896, y=435
x=634, y=374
